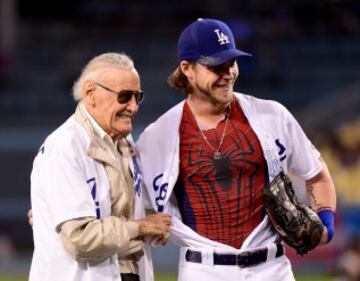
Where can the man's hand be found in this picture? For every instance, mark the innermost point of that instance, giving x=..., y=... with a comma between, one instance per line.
x=30, y=217
x=155, y=226
x=324, y=237
x=161, y=240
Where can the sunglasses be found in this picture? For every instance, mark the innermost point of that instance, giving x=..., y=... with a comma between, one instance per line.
x=124, y=96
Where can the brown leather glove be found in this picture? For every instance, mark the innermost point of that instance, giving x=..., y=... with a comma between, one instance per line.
x=298, y=225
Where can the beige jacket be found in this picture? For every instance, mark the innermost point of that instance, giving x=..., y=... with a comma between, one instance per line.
x=96, y=239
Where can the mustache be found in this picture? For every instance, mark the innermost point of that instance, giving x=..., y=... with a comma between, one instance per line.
x=222, y=81
x=126, y=114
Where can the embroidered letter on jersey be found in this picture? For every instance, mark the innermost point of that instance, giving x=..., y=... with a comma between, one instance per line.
x=282, y=150
x=92, y=182
x=137, y=178
x=161, y=192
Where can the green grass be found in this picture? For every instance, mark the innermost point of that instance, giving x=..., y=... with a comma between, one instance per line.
x=164, y=277
x=313, y=278
x=12, y=278
x=172, y=277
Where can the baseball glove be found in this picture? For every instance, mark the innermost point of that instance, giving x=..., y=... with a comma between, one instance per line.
x=298, y=225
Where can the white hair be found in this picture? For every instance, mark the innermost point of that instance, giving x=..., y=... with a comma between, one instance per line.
x=97, y=64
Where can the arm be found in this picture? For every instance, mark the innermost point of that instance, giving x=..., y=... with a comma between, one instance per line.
x=72, y=232
x=94, y=239
x=303, y=160
x=322, y=195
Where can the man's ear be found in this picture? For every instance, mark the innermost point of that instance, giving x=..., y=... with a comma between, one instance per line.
x=186, y=68
x=88, y=92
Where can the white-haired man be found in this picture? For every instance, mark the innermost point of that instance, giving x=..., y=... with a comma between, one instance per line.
x=84, y=183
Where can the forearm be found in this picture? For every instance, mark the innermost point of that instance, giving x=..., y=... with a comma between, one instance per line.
x=93, y=239
x=321, y=191
x=322, y=195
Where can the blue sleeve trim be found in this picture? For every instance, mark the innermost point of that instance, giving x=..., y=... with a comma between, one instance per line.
x=327, y=218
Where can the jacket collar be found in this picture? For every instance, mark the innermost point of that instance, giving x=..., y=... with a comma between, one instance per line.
x=96, y=148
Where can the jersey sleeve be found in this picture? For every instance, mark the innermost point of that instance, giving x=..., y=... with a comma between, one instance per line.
x=303, y=158
x=67, y=193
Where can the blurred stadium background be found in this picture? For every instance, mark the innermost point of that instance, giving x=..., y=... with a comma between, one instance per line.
x=306, y=55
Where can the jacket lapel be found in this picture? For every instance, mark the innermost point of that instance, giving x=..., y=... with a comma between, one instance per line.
x=118, y=179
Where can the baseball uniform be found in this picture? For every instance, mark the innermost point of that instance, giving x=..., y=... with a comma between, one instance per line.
x=203, y=254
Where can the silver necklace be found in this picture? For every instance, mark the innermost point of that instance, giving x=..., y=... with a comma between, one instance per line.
x=217, y=153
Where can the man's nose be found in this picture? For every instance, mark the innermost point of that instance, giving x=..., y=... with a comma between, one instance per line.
x=132, y=104
x=227, y=72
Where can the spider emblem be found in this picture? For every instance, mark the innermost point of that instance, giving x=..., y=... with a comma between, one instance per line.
x=234, y=159
x=225, y=192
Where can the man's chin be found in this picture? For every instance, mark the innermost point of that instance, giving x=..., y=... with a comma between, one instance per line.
x=124, y=131
x=224, y=97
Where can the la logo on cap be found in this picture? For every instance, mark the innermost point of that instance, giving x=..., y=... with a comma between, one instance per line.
x=222, y=37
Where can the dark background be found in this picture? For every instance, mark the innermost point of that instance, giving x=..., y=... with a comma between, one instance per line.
x=306, y=55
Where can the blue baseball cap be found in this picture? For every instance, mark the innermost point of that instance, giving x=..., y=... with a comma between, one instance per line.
x=209, y=42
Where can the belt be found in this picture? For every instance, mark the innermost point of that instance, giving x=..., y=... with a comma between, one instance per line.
x=244, y=259
x=129, y=277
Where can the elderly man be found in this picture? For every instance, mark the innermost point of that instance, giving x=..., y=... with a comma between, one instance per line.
x=82, y=183
x=208, y=159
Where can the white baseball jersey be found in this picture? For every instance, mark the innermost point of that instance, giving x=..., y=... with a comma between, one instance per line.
x=285, y=148
x=67, y=184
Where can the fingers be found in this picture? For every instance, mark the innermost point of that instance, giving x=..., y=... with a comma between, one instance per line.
x=162, y=217
x=155, y=225
x=30, y=217
x=324, y=237
x=162, y=239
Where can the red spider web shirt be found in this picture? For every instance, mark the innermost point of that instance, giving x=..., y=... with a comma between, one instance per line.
x=221, y=199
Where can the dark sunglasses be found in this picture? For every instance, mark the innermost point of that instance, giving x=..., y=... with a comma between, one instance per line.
x=124, y=96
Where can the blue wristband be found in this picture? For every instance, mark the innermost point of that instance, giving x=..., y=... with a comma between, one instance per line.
x=327, y=218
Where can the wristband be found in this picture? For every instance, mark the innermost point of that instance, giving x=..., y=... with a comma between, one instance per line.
x=327, y=218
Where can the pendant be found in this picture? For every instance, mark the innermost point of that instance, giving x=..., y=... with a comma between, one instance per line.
x=217, y=155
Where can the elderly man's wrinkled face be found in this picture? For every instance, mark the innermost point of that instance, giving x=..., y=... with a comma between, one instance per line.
x=114, y=114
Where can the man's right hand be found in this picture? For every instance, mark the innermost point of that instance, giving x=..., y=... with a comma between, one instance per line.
x=154, y=225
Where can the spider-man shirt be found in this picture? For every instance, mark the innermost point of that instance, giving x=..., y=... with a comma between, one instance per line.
x=221, y=199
